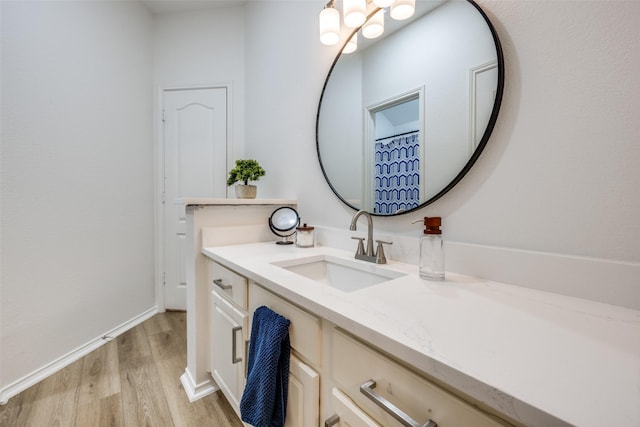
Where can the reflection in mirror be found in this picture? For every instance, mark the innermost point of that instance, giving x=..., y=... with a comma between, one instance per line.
x=405, y=116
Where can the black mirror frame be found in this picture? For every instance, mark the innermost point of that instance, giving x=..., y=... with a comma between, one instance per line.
x=480, y=147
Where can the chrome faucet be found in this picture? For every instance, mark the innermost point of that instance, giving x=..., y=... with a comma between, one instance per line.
x=370, y=256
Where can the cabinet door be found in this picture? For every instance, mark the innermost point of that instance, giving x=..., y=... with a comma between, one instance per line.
x=347, y=413
x=304, y=395
x=228, y=325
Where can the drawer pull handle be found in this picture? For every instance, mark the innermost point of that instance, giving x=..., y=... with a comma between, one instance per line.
x=234, y=357
x=393, y=410
x=221, y=285
x=332, y=420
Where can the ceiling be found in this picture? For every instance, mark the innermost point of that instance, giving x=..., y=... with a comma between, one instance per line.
x=159, y=7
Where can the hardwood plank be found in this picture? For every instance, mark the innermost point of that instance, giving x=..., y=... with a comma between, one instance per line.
x=100, y=374
x=17, y=411
x=104, y=412
x=170, y=361
x=143, y=401
x=133, y=344
x=225, y=415
x=161, y=322
x=56, y=398
x=131, y=381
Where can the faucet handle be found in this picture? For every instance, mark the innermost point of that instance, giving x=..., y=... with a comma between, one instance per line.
x=360, y=250
x=380, y=258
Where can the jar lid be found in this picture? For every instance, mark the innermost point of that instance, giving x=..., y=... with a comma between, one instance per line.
x=305, y=227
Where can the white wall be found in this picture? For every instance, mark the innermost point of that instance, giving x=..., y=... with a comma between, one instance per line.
x=200, y=48
x=77, y=176
x=560, y=172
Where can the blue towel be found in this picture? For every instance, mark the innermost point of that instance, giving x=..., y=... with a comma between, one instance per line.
x=264, y=401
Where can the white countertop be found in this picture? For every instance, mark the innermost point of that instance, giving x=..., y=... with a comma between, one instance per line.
x=232, y=201
x=540, y=358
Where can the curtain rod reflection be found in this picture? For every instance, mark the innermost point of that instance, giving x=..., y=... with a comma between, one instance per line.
x=399, y=134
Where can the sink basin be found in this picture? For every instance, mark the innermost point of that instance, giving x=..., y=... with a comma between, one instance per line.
x=343, y=274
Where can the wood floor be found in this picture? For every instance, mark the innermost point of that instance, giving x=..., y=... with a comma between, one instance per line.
x=132, y=381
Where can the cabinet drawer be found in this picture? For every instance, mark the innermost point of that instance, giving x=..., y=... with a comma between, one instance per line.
x=354, y=364
x=348, y=414
x=228, y=283
x=305, y=333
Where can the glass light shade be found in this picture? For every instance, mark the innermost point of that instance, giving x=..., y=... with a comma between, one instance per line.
x=403, y=9
x=374, y=26
x=352, y=44
x=383, y=3
x=329, y=26
x=354, y=12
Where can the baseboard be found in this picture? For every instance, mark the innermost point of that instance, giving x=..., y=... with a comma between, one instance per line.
x=197, y=391
x=38, y=375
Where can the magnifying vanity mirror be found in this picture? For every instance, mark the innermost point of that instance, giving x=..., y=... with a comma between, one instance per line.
x=283, y=222
x=403, y=118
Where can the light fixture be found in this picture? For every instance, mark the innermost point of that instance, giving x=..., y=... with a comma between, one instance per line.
x=354, y=12
x=383, y=3
x=403, y=9
x=352, y=44
x=374, y=27
x=329, y=25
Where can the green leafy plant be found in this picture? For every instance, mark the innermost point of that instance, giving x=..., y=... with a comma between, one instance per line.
x=245, y=171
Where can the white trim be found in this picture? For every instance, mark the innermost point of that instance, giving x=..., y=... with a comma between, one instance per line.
x=197, y=391
x=41, y=373
x=159, y=197
x=473, y=78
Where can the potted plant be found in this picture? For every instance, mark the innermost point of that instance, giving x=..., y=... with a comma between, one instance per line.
x=245, y=171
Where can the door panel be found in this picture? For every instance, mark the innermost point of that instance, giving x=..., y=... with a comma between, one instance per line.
x=303, y=400
x=227, y=362
x=195, y=166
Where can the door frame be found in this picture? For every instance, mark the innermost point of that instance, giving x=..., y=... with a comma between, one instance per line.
x=368, y=169
x=159, y=172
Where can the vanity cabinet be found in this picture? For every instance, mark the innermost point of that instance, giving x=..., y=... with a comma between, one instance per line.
x=228, y=331
x=360, y=387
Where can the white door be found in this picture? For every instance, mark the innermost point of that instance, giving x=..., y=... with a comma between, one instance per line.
x=195, y=166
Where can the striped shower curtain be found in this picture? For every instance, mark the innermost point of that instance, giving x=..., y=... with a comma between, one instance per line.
x=397, y=174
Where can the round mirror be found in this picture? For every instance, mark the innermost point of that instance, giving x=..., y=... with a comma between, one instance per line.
x=403, y=118
x=283, y=222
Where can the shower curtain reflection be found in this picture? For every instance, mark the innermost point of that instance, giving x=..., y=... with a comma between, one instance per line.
x=397, y=174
